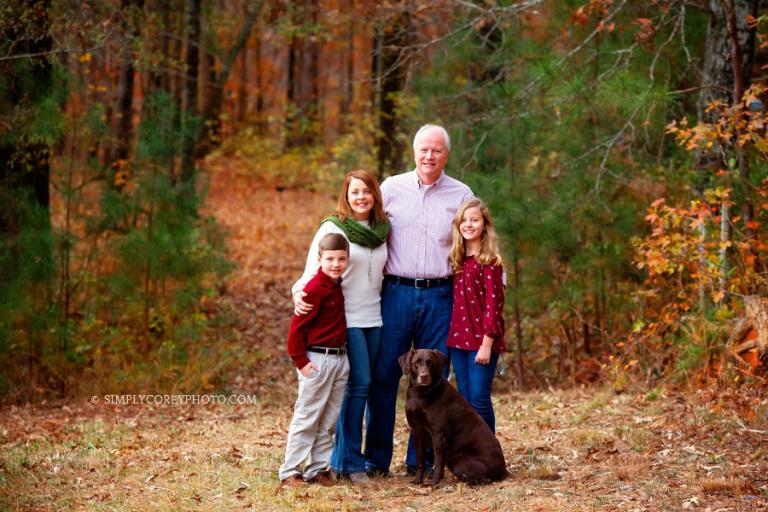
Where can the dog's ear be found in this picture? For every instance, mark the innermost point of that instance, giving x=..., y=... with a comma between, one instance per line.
x=405, y=361
x=442, y=359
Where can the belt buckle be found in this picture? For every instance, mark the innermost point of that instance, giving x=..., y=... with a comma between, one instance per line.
x=418, y=280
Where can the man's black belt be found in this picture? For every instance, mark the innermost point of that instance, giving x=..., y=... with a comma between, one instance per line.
x=331, y=351
x=421, y=283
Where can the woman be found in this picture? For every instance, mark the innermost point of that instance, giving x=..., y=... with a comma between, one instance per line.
x=361, y=219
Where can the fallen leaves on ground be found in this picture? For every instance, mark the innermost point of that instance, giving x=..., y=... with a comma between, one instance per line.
x=573, y=450
x=583, y=449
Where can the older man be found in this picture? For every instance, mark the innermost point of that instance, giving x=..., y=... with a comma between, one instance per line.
x=417, y=294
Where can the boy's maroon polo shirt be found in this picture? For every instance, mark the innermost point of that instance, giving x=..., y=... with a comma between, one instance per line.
x=325, y=325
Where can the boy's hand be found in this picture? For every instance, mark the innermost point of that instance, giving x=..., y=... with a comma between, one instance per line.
x=309, y=368
x=299, y=306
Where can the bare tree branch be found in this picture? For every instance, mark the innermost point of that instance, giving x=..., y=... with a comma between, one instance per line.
x=58, y=51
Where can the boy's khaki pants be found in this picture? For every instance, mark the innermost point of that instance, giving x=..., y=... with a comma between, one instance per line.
x=314, y=417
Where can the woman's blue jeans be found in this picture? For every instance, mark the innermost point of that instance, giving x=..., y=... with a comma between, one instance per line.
x=474, y=381
x=362, y=351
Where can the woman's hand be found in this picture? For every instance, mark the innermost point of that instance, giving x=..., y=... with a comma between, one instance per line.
x=299, y=306
x=309, y=368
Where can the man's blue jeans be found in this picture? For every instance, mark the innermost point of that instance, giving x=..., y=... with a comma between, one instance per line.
x=362, y=351
x=412, y=316
x=474, y=382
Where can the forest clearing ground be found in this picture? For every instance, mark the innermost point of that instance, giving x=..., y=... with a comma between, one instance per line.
x=567, y=450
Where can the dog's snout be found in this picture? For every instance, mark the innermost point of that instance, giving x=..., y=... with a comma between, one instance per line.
x=423, y=377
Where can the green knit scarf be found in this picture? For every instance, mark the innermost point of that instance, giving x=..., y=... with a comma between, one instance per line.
x=361, y=235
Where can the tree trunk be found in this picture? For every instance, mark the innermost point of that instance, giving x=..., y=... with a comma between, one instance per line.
x=390, y=77
x=518, y=323
x=175, y=54
x=211, y=128
x=302, y=92
x=261, y=125
x=25, y=162
x=348, y=68
x=158, y=77
x=718, y=78
x=189, y=121
x=208, y=138
x=242, y=83
x=742, y=47
x=726, y=73
x=123, y=134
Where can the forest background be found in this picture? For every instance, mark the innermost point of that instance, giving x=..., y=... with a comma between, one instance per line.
x=619, y=144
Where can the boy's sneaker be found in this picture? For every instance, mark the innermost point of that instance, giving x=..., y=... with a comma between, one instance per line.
x=293, y=481
x=322, y=478
x=360, y=478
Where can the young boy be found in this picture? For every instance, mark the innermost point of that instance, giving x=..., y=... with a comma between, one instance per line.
x=316, y=343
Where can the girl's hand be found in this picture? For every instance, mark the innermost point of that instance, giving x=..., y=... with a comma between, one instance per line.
x=309, y=368
x=484, y=354
x=299, y=306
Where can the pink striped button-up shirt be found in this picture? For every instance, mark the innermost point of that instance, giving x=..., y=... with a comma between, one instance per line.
x=422, y=224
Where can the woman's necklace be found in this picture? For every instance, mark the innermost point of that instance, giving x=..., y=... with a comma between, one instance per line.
x=370, y=262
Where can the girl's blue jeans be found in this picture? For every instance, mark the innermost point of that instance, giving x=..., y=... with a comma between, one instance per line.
x=362, y=351
x=474, y=382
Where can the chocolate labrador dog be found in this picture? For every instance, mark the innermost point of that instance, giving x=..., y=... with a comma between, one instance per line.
x=440, y=418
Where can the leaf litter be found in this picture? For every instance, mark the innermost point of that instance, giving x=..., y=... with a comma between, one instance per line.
x=571, y=450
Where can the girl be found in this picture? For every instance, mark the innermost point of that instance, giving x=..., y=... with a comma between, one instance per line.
x=361, y=219
x=476, y=335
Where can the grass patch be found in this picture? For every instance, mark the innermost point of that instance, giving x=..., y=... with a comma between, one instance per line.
x=654, y=394
x=598, y=402
x=638, y=438
x=589, y=440
x=629, y=469
x=542, y=471
x=728, y=485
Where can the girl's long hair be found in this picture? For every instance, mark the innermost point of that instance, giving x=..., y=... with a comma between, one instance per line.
x=489, y=249
x=344, y=211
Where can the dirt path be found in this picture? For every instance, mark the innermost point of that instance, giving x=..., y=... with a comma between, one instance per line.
x=577, y=450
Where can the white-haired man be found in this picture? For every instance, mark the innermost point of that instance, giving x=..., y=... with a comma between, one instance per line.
x=417, y=295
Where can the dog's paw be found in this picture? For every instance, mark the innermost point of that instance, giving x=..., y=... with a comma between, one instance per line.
x=418, y=477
